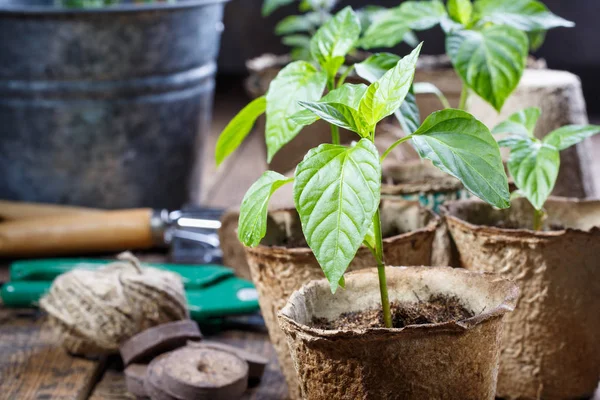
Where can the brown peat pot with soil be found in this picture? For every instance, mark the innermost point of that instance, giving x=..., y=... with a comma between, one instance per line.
x=551, y=347
x=445, y=343
x=283, y=262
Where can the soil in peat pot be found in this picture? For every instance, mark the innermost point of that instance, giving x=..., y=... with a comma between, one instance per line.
x=437, y=309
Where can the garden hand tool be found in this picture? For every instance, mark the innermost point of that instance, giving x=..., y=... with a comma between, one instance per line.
x=212, y=291
x=33, y=230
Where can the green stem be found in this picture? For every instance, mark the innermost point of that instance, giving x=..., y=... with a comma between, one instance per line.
x=335, y=131
x=345, y=75
x=385, y=300
x=538, y=220
x=393, y=146
x=464, y=95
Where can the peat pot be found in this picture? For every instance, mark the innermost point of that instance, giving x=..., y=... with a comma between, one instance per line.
x=283, y=262
x=551, y=346
x=452, y=360
x=105, y=107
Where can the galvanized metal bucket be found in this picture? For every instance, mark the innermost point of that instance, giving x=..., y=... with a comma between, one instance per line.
x=106, y=107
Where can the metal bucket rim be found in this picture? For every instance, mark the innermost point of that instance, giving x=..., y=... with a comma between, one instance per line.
x=127, y=8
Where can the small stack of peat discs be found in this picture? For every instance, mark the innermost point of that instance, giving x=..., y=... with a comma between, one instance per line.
x=172, y=362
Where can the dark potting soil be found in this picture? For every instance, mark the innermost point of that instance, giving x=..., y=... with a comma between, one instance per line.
x=436, y=310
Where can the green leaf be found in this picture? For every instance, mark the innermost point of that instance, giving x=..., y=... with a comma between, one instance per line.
x=337, y=193
x=460, y=11
x=386, y=95
x=525, y=15
x=390, y=27
x=253, y=211
x=460, y=145
x=298, y=81
x=340, y=115
x=534, y=167
x=570, y=135
x=271, y=5
x=298, y=23
x=408, y=114
x=490, y=61
x=411, y=39
x=376, y=66
x=430, y=88
x=335, y=39
x=536, y=39
x=296, y=41
x=238, y=128
x=520, y=123
x=347, y=94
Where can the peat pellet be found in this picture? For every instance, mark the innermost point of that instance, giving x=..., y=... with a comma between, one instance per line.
x=154, y=379
x=256, y=362
x=134, y=379
x=157, y=340
x=203, y=373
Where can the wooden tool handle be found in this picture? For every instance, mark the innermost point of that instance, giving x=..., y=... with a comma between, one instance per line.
x=11, y=210
x=77, y=233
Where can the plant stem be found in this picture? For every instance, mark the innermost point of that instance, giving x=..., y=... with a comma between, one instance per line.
x=335, y=131
x=385, y=300
x=538, y=218
x=464, y=95
x=345, y=75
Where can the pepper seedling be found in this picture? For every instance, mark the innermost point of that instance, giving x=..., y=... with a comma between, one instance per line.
x=487, y=41
x=534, y=163
x=296, y=30
x=337, y=188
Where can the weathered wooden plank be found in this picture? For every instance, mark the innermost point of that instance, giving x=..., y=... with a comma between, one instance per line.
x=32, y=366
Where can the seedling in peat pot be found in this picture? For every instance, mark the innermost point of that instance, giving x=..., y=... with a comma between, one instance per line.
x=487, y=41
x=337, y=187
x=534, y=163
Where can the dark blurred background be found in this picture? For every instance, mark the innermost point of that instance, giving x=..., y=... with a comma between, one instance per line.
x=247, y=34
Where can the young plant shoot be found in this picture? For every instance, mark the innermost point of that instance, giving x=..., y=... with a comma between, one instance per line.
x=487, y=40
x=337, y=187
x=296, y=30
x=534, y=163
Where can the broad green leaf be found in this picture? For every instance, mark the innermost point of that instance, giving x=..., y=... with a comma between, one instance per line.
x=525, y=15
x=296, y=41
x=348, y=94
x=340, y=115
x=449, y=25
x=298, y=23
x=460, y=11
x=490, y=61
x=392, y=26
x=238, y=128
x=460, y=145
x=408, y=114
x=411, y=39
x=386, y=95
x=376, y=66
x=570, y=135
x=336, y=193
x=534, y=167
x=271, y=5
x=335, y=39
x=430, y=88
x=536, y=39
x=510, y=141
x=298, y=81
x=520, y=123
x=253, y=211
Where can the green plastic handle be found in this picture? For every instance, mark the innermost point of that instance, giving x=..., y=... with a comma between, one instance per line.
x=193, y=276
x=230, y=296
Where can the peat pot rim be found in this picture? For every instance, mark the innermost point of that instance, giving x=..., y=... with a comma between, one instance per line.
x=507, y=305
x=24, y=9
x=275, y=251
x=449, y=207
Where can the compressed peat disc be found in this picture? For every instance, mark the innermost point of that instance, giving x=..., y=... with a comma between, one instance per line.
x=256, y=362
x=134, y=379
x=203, y=373
x=157, y=340
x=154, y=379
